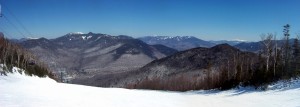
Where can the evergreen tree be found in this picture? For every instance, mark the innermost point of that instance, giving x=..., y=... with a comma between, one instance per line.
x=286, y=48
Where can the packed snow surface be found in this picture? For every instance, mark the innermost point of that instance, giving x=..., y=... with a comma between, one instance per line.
x=17, y=90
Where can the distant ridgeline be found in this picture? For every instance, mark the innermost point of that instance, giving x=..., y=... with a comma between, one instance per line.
x=12, y=55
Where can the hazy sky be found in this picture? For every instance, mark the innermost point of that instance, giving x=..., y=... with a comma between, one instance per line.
x=205, y=19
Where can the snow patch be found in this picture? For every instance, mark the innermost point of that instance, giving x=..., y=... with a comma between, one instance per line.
x=83, y=37
x=285, y=84
x=72, y=33
x=89, y=37
x=18, y=90
x=240, y=40
x=32, y=38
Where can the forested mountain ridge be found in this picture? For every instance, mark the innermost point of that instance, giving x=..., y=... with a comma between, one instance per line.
x=94, y=53
x=195, y=66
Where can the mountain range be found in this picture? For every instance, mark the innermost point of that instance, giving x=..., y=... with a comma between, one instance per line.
x=188, y=42
x=230, y=42
x=98, y=56
x=178, y=42
x=194, y=63
x=181, y=43
x=94, y=53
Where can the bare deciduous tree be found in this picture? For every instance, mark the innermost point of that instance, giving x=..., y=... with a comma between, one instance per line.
x=267, y=47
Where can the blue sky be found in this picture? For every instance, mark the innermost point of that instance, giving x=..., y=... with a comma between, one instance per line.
x=205, y=19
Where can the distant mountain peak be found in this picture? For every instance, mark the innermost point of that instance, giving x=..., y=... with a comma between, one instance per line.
x=75, y=33
x=169, y=37
x=124, y=37
x=91, y=33
x=230, y=42
x=177, y=42
x=32, y=38
x=239, y=40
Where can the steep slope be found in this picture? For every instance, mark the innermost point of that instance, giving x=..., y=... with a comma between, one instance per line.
x=92, y=53
x=178, y=42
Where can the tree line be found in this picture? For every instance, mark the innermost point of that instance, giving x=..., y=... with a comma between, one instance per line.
x=277, y=60
x=12, y=55
x=281, y=60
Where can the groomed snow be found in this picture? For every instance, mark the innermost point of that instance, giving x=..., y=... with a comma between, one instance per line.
x=18, y=90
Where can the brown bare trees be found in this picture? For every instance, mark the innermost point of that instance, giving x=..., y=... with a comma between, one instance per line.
x=12, y=55
x=296, y=56
x=266, y=40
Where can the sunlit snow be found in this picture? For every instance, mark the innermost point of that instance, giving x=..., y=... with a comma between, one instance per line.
x=71, y=33
x=18, y=90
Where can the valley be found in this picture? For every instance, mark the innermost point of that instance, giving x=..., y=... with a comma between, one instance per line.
x=149, y=53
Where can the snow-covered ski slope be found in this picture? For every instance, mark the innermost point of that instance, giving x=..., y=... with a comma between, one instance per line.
x=18, y=90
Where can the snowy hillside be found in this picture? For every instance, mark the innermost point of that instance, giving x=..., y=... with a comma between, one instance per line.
x=23, y=91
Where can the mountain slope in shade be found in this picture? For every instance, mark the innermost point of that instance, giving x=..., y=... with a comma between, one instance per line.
x=250, y=46
x=178, y=42
x=191, y=63
x=164, y=49
x=92, y=53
